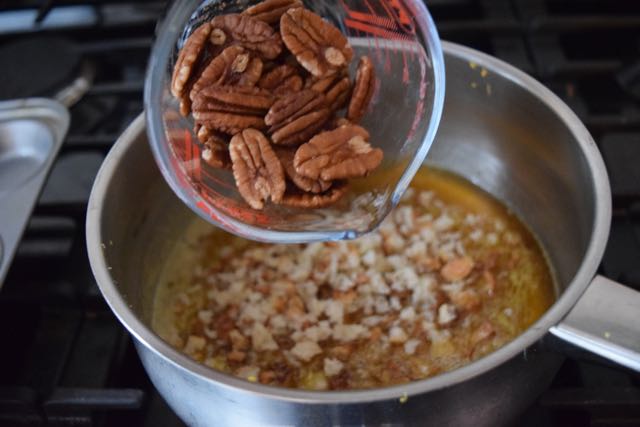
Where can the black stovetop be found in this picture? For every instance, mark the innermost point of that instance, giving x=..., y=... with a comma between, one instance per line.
x=65, y=359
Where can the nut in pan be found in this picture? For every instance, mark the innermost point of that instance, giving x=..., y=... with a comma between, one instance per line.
x=249, y=32
x=305, y=184
x=234, y=66
x=295, y=198
x=317, y=45
x=362, y=91
x=338, y=154
x=230, y=109
x=256, y=169
x=296, y=117
x=270, y=11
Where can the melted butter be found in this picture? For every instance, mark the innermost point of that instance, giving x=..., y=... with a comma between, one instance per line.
x=516, y=290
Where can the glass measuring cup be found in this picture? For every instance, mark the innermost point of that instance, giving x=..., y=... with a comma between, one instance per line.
x=401, y=40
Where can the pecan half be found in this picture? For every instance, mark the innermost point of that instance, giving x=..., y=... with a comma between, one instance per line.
x=189, y=56
x=306, y=184
x=301, y=129
x=185, y=71
x=249, y=32
x=362, y=91
x=338, y=94
x=336, y=122
x=270, y=11
x=317, y=45
x=216, y=154
x=215, y=149
x=296, y=117
x=234, y=66
x=230, y=109
x=256, y=169
x=204, y=134
x=281, y=80
x=338, y=154
x=336, y=89
x=248, y=75
x=234, y=99
x=293, y=197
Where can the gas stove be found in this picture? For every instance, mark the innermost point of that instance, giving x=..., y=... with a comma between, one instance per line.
x=66, y=360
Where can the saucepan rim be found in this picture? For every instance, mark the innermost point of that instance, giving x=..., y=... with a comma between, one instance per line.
x=582, y=278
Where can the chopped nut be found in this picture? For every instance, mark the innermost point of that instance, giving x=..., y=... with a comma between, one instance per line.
x=346, y=333
x=332, y=366
x=267, y=376
x=342, y=352
x=306, y=350
x=334, y=311
x=397, y=335
x=194, y=345
x=457, y=269
x=248, y=372
x=484, y=331
x=261, y=338
x=447, y=314
x=466, y=300
x=237, y=356
x=238, y=341
x=411, y=346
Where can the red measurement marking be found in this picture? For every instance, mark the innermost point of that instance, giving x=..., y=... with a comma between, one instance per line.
x=205, y=208
x=402, y=15
x=236, y=211
x=197, y=163
x=208, y=174
x=420, y=106
x=177, y=171
x=369, y=17
x=376, y=31
x=188, y=153
x=405, y=69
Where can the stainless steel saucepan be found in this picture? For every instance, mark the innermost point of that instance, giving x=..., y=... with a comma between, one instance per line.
x=500, y=129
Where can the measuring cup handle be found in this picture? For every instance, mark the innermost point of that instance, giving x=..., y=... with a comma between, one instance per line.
x=605, y=321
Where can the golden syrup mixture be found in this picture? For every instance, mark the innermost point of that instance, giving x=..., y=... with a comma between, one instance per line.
x=451, y=275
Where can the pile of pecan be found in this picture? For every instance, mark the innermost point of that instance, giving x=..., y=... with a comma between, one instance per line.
x=265, y=88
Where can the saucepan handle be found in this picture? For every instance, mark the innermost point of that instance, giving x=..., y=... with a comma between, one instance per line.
x=605, y=321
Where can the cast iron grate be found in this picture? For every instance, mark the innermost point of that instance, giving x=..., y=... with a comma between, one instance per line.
x=67, y=361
